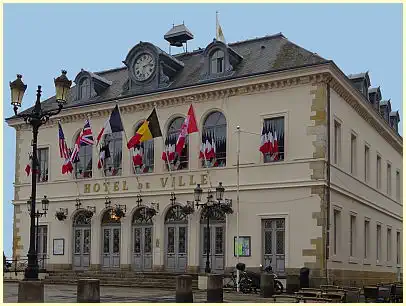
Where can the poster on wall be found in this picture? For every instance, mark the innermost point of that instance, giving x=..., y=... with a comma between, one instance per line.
x=59, y=246
x=243, y=247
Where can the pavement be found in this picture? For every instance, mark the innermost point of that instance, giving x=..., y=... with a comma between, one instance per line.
x=67, y=294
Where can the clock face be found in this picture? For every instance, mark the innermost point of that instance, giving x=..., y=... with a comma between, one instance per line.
x=144, y=67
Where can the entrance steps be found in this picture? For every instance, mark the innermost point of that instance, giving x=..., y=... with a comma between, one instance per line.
x=164, y=280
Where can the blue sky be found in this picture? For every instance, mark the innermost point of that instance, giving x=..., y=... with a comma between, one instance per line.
x=42, y=39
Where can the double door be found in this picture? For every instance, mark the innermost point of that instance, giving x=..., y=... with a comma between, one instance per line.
x=111, y=247
x=142, y=247
x=81, y=248
x=273, y=241
x=217, y=244
x=176, y=247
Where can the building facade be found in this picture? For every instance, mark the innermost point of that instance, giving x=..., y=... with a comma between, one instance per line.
x=331, y=200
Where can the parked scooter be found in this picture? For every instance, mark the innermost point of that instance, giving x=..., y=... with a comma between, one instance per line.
x=251, y=281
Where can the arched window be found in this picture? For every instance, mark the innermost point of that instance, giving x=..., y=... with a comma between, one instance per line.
x=214, y=140
x=113, y=164
x=83, y=166
x=217, y=62
x=84, y=90
x=176, y=162
x=143, y=156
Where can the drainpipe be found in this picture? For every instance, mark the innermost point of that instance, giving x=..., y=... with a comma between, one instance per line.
x=327, y=249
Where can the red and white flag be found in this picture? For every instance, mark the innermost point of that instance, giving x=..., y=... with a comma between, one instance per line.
x=270, y=143
x=276, y=147
x=28, y=167
x=189, y=126
x=137, y=157
x=264, y=146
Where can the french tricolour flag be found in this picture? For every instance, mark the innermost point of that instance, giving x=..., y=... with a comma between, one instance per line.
x=113, y=124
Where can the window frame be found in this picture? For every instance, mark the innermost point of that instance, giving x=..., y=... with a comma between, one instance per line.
x=42, y=148
x=142, y=145
x=378, y=171
x=337, y=126
x=378, y=243
x=389, y=254
x=88, y=88
x=75, y=165
x=186, y=149
x=389, y=178
x=215, y=58
x=211, y=128
x=398, y=185
x=353, y=235
x=367, y=163
x=284, y=118
x=353, y=153
x=337, y=211
x=367, y=239
x=109, y=162
x=398, y=248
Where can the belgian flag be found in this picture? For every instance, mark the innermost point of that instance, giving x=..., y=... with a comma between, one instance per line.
x=148, y=130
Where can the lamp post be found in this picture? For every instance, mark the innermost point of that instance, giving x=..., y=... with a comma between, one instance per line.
x=36, y=117
x=210, y=206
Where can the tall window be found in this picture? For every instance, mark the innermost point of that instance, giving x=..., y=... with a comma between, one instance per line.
x=215, y=133
x=143, y=156
x=276, y=136
x=353, y=230
x=378, y=242
x=366, y=164
x=182, y=161
x=398, y=185
x=378, y=172
x=42, y=155
x=84, y=91
x=83, y=167
x=113, y=164
x=389, y=179
x=337, y=142
x=337, y=230
x=353, y=154
x=217, y=62
x=398, y=248
x=389, y=245
x=366, y=239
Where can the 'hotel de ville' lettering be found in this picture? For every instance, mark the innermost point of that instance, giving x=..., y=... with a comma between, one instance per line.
x=164, y=182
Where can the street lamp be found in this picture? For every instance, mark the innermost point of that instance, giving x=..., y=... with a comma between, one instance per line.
x=209, y=206
x=36, y=117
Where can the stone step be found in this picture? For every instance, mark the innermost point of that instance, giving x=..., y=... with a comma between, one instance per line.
x=104, y=276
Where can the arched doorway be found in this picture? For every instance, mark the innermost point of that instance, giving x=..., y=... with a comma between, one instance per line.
x=217, y=239
x=111, y=231
x=176, y=224
x=142, y=226
x=81, y=241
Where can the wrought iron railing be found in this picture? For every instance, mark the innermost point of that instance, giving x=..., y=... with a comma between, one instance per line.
x=18, y=265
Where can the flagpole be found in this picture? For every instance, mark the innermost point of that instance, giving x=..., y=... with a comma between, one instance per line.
x=131, y=151
x=238, y=204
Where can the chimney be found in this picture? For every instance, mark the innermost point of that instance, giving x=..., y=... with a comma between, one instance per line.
x=394, y=120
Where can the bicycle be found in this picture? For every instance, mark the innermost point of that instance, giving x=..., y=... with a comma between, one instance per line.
x=245, y=283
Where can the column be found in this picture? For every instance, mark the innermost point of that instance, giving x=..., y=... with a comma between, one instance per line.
x=95, y=247
x=125, y=243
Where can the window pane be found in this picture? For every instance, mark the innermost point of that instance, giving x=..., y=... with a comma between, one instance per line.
x=42, y=156
x=112, y=165
x=275, y=129
x=214, y=141
x=84, y=165
x=145, y=150
x=177, y=162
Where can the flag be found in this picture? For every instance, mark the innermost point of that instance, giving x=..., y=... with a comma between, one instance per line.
x=104, y=153
x=148, y=130
x=68, y=164
x=270, y=143
x=86, y=135
x=264, y=146
x=165, y=152
x=113, y=124
x=276, y=147
x=63, y=148
x=28, y=167
x=189, y=126
x=137, y=157
x=202, y=147
x=219, y=30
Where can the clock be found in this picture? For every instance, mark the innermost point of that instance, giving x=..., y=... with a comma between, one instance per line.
x=144, y=67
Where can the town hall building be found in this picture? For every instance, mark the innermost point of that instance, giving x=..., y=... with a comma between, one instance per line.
x=330, y=198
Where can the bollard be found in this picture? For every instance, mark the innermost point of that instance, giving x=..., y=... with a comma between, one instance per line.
x=88, y=291
x=267, y=285
x=214, y=288
x=184, y=293
x=31, y=291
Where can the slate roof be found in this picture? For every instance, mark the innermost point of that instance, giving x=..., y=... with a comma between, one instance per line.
x=260, y=55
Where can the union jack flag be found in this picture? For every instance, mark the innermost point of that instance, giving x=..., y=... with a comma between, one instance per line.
x=63, y=148
x=86, y=137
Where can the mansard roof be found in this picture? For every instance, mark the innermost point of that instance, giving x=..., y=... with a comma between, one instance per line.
x=259, y=55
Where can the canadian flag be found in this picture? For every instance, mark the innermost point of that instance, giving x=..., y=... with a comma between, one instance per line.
x=137, y=157
x=189, y=126
x=264, y=146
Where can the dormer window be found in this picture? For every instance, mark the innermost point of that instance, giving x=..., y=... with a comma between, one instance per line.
x=84, y=91
x=217, y=62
